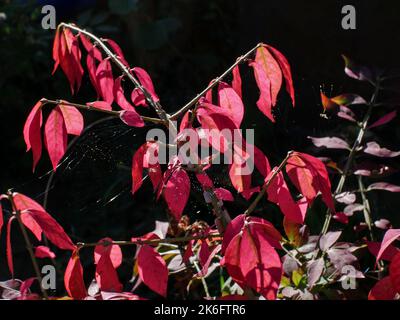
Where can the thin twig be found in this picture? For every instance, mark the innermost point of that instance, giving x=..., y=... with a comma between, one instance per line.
x=188, y=105
x=264, y=189
x=90, y=108
x=81, y=245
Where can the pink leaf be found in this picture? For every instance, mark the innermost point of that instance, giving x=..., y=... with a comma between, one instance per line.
x=272, y=69
x=237, y=81
x=176, y=192
x=73, y=278
x=374, y=149
x=55, y=135
x=264, y=103
x=44, y=252
x=231, y=101
x=73, y=119
x=384, y=186
x=385, y=119
x=146, y=82
x=390, y=236
x=53, y=231
x=105, y=80
x=120, y=96
x=330, y=143
x=287, y=74
x=206, y=264
x=204, y=252
x=131, y=118
x=153, y=270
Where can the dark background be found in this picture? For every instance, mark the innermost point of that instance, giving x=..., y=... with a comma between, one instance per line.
x=183, y=44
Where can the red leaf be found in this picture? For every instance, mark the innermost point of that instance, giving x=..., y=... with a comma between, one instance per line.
x=204, y=252
x=90, y=47
x=231, y=101
x=146, y=157
x=106, y=275
x=223, y=194
x=131, y=118
x=176, y=192
x=120, y=96
x=52, y=230
x=204, y=180
x=382, y=290
x=232, y=230
x=272, y=69
x=239, y=180
x=390, y=236
x=146, y=82
x=9, y=247
x=55, y=135
x=73, y=119
x=44, y=252
x=287, y=74
x=341, y=217
x=91, y=66
x=310, y=176
x=32, y=225
x=394, y=272
x=278, y=192
x=251, y=261
x=264, y=103
x=206, y=264
x=114, y=251
x=385, y=119
x=138, y=98
x=73, y=278
x=23, y=202
x=237, y=81
x=188, y=252
x=117, y=50
x=105, y=80
x=56, y=50
x=69, y=58
x=103, y=105
x=32, y=135
x=153, y=270
x=387, y=254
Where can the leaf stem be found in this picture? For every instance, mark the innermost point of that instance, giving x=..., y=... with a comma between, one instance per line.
x=188, y=105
